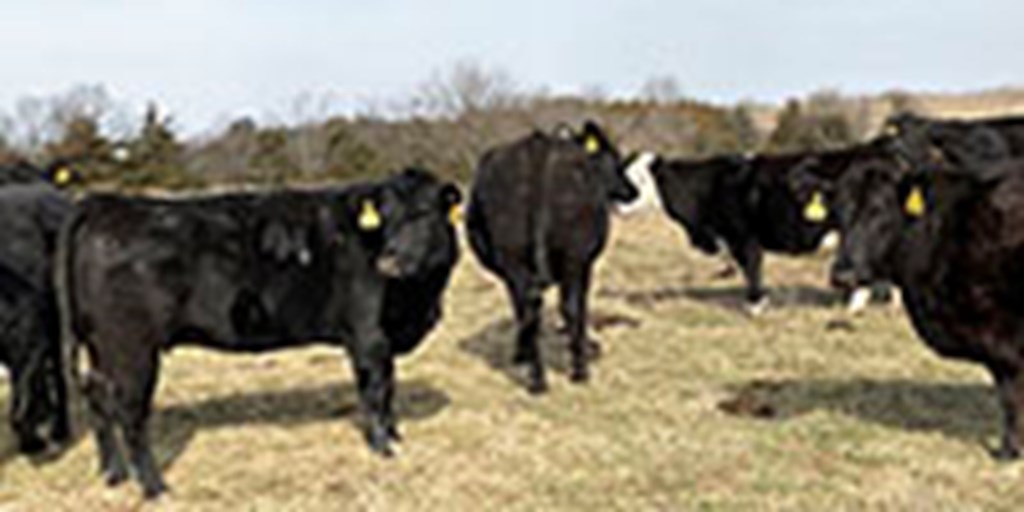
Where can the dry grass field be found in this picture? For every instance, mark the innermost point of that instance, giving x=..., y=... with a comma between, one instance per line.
x=693, y=406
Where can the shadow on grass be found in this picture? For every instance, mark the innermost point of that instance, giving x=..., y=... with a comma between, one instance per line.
x=9, y=441
x=173, y=428
x=495, y=344
x=963, y=411
x=732, y=298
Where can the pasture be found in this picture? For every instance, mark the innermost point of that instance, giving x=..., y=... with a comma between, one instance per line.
x=693, y=405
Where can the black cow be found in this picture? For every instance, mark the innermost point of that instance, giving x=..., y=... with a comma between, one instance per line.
x=59, y=173
x=751, y=204
x=953, y=241
x=930, y=142
x=29, y=324
x=361, y=267
x=538, y=216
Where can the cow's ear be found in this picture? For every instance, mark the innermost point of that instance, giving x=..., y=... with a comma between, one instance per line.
x=593, y=138
x=815, y=210
x=913, y=196
x=451, y=199
x=364, y=210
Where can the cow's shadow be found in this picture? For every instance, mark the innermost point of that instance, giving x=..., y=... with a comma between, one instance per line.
x=9, y=441
x=966, y=411
x=495, y=345
x=732, y=298
x=173, y=428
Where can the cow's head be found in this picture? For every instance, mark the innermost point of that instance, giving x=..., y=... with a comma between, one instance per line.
x=813, y=192
x=605, y=160
x=876, y=202
x=413, y=213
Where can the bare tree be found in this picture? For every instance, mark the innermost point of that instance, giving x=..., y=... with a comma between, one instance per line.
x=662, y=90
x=465, y=89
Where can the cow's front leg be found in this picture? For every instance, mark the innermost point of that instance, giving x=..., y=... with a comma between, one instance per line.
x=374, y=369
x=749, y=257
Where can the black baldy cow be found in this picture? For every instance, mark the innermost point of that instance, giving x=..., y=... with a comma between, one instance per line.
x=538, y=216
x=753, y=205
x=29, y=325
x=361, y=267
x=953, y=242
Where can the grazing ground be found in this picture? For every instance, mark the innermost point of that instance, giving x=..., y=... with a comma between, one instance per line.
x=693, y=405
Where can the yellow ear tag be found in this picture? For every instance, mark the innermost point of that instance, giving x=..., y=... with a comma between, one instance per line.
x=455, y=214
x=369, y=217
x=892, y=130
x=815, y=211
x=915, y=205
x=591, y=144
x=62, y=176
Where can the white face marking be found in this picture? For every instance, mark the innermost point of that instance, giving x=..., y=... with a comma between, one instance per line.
x=895, y=298
x=859, y=300
x=639, y=174
x=830, y=242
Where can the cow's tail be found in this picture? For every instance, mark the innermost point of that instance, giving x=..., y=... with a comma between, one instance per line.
x=539, y=221
x=68, y=311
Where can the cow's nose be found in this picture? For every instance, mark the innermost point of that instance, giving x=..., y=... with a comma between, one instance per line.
x=389, y=266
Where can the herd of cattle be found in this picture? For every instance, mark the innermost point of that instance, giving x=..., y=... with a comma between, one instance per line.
x=935, y=208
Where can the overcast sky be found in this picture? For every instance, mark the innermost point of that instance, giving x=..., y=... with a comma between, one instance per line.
x=207, y=60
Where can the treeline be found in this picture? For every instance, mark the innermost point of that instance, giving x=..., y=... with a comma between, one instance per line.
x=445, y=127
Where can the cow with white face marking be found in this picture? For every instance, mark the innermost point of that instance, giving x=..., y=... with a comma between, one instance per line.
x=538, y=216
x=952, y=240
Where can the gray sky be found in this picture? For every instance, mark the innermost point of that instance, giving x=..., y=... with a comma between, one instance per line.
x=207, y=60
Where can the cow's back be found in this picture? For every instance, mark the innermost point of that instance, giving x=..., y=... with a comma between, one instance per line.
x=533, y=202
x=232, y=271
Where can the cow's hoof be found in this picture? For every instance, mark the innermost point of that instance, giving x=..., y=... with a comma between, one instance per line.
x=1006, y=453
x=380, y=442
x=537, y=387
x=593, y=349
x=394, y=434
x=115, y=476
x=385, y=450
x=579, y=375
x=153, y=490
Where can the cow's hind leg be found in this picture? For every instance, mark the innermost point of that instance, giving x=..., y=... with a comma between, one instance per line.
x=1010, y=390
x=573, y=295
x=136, y=386
x=23, y=383
x=527, y=302
x=99, y=394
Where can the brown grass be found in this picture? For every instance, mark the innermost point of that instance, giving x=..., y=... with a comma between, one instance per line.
x=693, y=406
